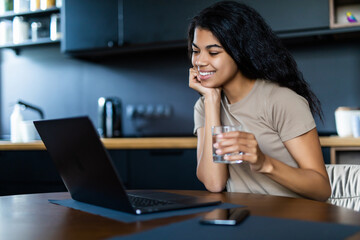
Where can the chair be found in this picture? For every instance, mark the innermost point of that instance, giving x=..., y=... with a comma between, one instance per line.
x=345, y=185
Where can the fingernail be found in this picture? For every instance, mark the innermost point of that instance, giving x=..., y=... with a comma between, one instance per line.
x=219, y=136
x=216, y=145
x=218, y=152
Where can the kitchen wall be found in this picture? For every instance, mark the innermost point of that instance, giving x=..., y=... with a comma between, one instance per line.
x=64, y=86
x=333, y=71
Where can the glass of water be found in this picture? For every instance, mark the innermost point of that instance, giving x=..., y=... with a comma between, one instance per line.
x=216, y=130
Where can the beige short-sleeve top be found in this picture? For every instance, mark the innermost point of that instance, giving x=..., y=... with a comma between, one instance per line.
x=274, y=115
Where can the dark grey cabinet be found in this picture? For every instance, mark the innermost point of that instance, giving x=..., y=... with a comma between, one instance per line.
x=91, y=26
x=293, y=15
x=159, y=20
x=28, y=172
x=24, y=172
x=163, y=169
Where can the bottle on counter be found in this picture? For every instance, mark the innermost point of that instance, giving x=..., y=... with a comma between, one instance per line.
x=6, y=34
x=16, y=120
x=5, y=6
x=20, y=30
x=35, y=26
x=34, y=5
x=59, y=3
x=55, y=32
x=45, y=4
x=21, y=6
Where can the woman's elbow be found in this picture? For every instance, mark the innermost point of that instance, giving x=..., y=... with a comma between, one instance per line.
x=213, y=185
x=214, y=188
x=325, y=195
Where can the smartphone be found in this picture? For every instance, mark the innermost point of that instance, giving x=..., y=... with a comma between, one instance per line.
x=231, y=216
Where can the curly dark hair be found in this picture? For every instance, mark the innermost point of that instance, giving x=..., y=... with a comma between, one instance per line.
x=257, y=51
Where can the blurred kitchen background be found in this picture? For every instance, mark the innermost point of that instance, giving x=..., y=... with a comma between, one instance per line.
x=155, y=72
x=62, y=56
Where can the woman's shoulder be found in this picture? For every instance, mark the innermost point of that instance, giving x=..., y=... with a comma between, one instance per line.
x=277, y=94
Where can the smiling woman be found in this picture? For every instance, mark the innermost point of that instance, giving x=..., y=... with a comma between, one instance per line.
x=214, y=65
x=246, y=77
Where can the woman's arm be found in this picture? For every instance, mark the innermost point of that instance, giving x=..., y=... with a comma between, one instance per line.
x=213, y=176
x=309, y=180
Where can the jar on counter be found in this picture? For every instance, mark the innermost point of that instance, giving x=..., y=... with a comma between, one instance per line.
x=55, y=32
x=21, y=6
x=343, y=120
x=59, y=3
x=6, y=32
x=34, y=5
x=45, y=4
x=35, y=27
x=39, y=29
x=20, y=30
x=6, y=5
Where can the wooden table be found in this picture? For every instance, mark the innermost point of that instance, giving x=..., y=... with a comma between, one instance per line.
x=164, y=143
x=33, y=217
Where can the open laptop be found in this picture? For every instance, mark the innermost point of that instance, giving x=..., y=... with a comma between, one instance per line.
x=89, y=175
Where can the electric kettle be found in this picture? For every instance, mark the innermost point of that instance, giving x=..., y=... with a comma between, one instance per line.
x=109, y=110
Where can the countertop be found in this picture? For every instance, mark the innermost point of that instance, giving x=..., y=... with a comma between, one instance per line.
x=164, y=143
x=117, y=143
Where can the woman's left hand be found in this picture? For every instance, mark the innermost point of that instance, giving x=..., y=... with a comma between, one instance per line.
x=238, y=141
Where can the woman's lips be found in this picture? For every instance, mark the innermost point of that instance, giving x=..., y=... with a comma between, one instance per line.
x=205, y=75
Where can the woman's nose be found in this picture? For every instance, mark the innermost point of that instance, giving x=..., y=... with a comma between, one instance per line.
x=201, y=60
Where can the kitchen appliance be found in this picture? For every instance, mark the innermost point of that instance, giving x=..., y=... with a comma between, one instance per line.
x=343, y=119
x=109, y=110
x=20, y=130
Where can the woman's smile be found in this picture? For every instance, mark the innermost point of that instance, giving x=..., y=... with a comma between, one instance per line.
x=204, y=75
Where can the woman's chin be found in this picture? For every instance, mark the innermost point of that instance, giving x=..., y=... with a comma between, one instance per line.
x=208, y=84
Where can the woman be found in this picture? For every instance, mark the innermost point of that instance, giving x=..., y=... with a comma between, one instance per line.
x=246, y=77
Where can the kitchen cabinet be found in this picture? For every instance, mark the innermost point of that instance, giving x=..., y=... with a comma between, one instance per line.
x=163, y=169
x=28, y=172
x=40, y=17
x=345, y=155
x=119, y=25
x=91, y=25
x=293, y=15
x=32, y=171
x=339, y=10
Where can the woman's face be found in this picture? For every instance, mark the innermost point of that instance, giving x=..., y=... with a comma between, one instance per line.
x=214, y=65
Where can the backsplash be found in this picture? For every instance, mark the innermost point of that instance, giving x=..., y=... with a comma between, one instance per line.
x=65, y=87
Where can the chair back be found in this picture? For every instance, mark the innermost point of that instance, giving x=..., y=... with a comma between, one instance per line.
x=345, y=185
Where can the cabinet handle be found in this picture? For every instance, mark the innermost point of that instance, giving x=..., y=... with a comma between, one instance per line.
x=110, y=44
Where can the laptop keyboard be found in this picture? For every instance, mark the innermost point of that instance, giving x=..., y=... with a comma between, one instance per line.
x=140, y=202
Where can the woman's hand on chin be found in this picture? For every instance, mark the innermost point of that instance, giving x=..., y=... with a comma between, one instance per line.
x=195, y=84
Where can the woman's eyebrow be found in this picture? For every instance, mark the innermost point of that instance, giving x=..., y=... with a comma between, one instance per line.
x=195, y=45
x=213, y=45
x=209, y=46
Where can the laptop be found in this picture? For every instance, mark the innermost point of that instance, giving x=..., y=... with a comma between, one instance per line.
x=89, y=174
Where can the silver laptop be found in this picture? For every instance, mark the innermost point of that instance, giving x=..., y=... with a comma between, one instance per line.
x=89, y=174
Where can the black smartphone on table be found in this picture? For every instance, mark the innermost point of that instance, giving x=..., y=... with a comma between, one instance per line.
x=231, y=216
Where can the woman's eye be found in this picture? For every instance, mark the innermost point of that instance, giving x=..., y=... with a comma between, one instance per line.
x=213, y=53
x=194, y=51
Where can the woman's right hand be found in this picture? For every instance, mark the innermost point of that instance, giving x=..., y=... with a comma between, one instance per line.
x=195, y=84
